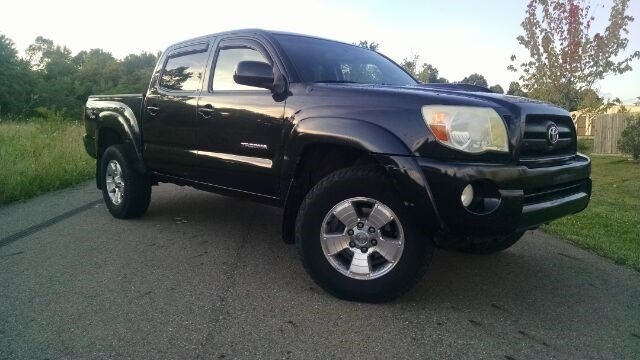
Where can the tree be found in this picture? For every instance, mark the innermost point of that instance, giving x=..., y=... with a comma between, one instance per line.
x=98, y=72
x=51, y=79
x=590, y=101
x=475, y=79
x=563, y=57
x=497, y=89
x=425, y=73
x=54, y=66
x=17, y=82
x=368, y=45
x=36, y=52
x=629, y=142
x=516, y=90
x=136, y=70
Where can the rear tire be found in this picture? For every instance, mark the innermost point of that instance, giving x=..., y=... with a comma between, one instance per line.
x=490, y=246
x=379, y=280
x=126, y=192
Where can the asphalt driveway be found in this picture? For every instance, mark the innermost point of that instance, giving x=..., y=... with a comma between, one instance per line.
x=205, y=276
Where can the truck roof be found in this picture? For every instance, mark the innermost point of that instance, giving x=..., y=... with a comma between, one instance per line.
x=263, y=32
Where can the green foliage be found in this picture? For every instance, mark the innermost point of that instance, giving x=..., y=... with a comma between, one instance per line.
x=425, y=73
x=629, y=142
x=368, y=45
x=475, y=79
x=565, y=58
x=39, y=155
x=17, y=80
x=51, y=77
x=497, y=89
x=516, y=90
x=585, y=145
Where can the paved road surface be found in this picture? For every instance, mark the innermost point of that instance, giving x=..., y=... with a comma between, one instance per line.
x=204, y=276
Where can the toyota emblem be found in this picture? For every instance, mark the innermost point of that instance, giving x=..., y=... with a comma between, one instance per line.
x=553, y=134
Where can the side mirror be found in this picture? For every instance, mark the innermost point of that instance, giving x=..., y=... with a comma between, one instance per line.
x=254, y=73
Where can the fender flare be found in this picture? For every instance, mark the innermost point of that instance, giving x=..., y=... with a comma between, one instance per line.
x=385, y=148
x=353, y=133
x=119, y=117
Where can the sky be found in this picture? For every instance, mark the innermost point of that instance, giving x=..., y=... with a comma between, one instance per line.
x=459, y=37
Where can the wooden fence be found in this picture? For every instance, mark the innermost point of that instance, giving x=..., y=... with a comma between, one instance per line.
x=607, y=129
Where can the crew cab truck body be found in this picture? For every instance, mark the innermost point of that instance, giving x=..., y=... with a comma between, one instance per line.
x=372, y=168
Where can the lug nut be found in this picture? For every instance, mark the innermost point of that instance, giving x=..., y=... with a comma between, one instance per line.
x=364, y=249
x=360, y=225
x=372, y=229
x=352, y=244
x=350, y=232
x=374, y=242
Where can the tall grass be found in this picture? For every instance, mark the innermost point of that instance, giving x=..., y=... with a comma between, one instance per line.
x=41, y=155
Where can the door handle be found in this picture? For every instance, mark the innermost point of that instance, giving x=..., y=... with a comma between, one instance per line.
x=206, y=111
x=152, y=110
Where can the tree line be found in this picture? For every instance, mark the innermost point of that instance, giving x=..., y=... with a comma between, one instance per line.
x=50, y=79
x=566, y=57
x=427, y=73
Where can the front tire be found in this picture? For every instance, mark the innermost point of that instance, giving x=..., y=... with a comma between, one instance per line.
x=357, y=240
x=125, y=191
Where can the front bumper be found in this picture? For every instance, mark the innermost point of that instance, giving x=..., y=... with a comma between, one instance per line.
x=526, y=197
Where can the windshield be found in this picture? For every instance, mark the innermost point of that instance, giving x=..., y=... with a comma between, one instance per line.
x=318, y=60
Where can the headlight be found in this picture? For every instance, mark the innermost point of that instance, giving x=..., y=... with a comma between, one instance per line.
x=466, y=128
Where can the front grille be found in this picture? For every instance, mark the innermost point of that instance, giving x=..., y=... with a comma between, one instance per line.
x=549, y=193
x=536, y=145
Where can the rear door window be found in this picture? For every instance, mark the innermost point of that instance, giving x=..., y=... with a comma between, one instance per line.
x=184, y=72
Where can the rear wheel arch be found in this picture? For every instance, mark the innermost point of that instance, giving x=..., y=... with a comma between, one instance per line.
x=113, y=132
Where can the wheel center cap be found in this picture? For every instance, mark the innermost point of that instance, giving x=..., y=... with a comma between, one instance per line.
x=361, y=238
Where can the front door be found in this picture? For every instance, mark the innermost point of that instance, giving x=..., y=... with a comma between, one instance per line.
x=170, y=125
x=242, y=125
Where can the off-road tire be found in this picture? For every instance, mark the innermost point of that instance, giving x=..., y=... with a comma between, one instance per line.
x=345, y=184
x=137, y=186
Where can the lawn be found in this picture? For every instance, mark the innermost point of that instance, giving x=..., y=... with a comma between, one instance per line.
x=41, y=155
x=610, y=226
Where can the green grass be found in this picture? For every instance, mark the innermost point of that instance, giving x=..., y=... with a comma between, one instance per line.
x=41, y=155
x=610, y=226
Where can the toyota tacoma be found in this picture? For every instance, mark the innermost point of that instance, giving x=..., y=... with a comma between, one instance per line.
x=372, y=168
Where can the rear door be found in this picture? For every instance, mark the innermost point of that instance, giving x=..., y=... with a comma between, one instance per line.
x=242, y=125
x=170, y=126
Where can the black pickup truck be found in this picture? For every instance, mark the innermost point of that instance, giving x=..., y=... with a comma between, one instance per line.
x=372, y=168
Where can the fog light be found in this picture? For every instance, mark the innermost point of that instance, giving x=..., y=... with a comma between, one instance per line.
x=467, y=195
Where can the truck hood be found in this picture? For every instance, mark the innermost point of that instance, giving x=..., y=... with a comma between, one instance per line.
x=459, y=94
x=397, y=109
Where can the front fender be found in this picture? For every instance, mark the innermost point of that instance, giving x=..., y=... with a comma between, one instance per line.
x=414, y=190
x=353, y=133
x=384, y=147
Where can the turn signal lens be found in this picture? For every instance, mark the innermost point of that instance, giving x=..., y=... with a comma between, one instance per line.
x=438, y=126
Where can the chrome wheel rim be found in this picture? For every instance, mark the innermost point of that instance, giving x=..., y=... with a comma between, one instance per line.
x=362, y=238
x=114, y=182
